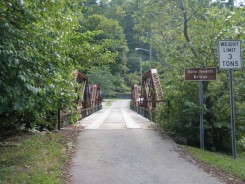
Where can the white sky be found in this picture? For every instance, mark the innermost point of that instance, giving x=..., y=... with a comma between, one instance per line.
x=237, y=2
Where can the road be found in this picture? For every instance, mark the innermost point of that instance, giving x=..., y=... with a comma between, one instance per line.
x=118, y=146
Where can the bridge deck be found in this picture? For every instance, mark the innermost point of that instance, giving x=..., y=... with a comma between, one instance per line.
x=117, y=116
x=118, y=147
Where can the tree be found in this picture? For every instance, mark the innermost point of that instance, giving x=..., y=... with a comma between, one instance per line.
x=110, y=36
x=103, y=78
x=185, y=34
x=41, y=46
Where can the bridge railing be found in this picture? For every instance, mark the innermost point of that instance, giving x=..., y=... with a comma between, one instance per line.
x=67, y=118
x=149, y=114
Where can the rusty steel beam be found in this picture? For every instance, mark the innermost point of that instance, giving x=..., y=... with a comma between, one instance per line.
x=151, y=89
x=83, y=101
x=134, y=95
x=79, y=75
x=95, y=95
x=89, y=94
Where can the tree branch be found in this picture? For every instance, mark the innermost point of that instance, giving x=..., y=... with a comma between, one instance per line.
x=181, y=6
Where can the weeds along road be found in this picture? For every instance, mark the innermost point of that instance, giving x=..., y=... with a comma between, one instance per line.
x=118, y=146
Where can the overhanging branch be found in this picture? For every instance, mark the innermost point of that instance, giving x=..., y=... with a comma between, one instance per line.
x=182, y=8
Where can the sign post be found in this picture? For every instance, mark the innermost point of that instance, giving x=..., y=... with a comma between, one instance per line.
x=201, y=116
x=200, y=74
x=230, y=58
x=233, y=128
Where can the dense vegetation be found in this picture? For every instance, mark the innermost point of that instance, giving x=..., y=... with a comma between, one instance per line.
x=41, y=45
x=185, y=34
x=43, y=42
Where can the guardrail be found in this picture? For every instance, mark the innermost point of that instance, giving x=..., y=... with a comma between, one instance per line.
x=66, y=118
x=149, y=114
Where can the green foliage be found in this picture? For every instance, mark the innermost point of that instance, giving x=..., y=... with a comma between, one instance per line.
x=111, y=37
x=41, y=44
x=132, y=78
x=185, y=34
x=33, y=59
x=107, y=82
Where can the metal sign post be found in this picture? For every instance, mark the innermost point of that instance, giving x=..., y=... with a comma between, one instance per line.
x=200, y=74
x=201, y=116
x=230, y=58
x=233, y=130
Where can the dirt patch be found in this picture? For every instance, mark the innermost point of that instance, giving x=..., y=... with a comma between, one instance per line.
x=221, y=175
x=70, y=141
x=154, y=126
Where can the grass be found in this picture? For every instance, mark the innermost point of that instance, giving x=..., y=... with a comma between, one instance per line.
x=221, y=161
x=36, y=159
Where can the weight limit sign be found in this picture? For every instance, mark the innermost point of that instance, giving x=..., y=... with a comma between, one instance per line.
x=230, y=54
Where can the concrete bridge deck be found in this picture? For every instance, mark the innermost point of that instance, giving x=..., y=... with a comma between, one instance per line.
x=118, y=146
x=116, y=116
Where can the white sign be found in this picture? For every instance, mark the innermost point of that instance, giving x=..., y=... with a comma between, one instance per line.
x=230, y=54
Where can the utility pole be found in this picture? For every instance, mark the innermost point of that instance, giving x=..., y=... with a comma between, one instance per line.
x=150, y=49
x=150, y=46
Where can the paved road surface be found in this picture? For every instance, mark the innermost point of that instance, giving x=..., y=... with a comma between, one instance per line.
x=118, y=146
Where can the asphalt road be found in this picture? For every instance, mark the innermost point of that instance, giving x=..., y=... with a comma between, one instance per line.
x=119, y=146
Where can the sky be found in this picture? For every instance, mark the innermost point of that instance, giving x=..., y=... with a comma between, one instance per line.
x=237, y=2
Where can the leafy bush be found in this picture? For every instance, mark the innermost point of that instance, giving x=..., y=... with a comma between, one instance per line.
x=41, y=44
